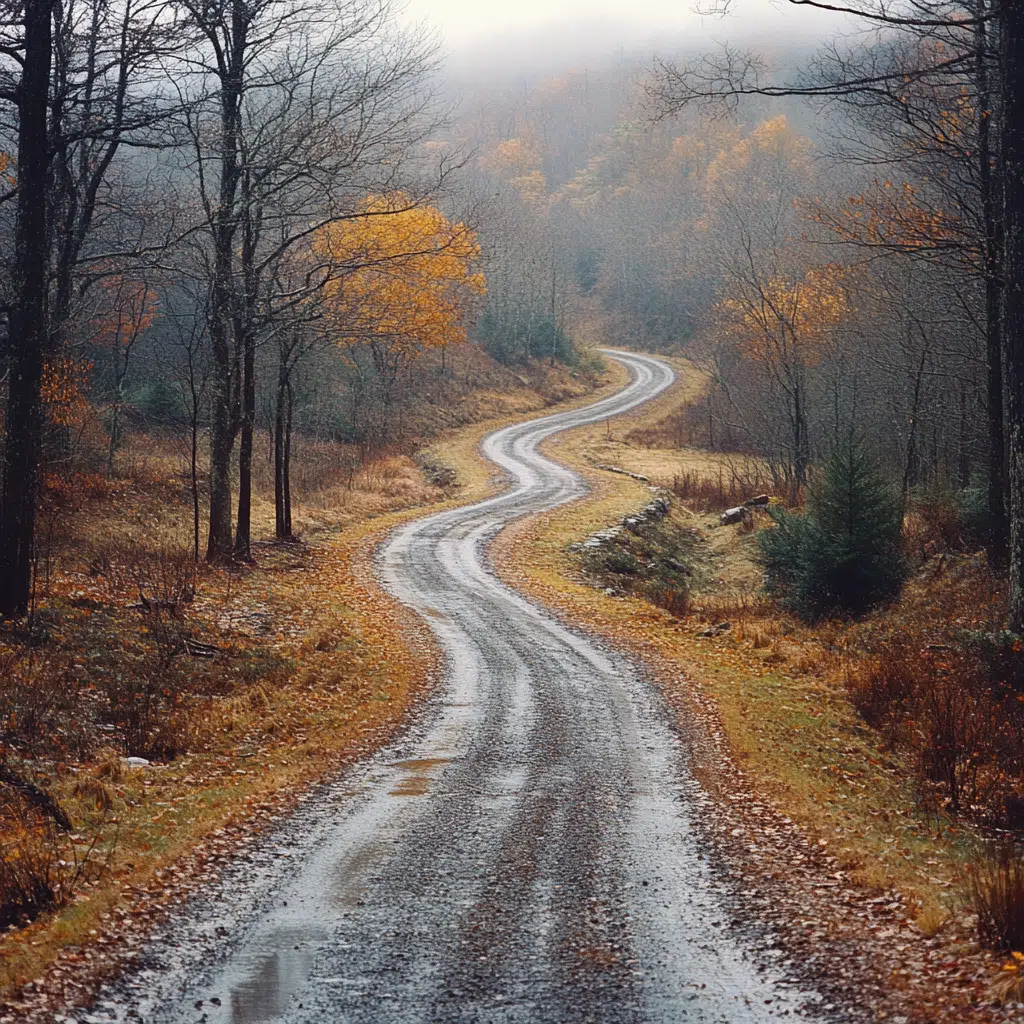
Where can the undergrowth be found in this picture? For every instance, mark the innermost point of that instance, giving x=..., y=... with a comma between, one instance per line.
x=956, y=707
x=715, y=491
x=42, y=866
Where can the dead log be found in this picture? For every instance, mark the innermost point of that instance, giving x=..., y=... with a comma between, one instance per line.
x=200, y=650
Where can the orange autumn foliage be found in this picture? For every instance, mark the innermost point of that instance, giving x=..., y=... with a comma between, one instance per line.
x=405, y=274
x=794, y=318
x=891, y=216
x=129, y=310
x=63, y=390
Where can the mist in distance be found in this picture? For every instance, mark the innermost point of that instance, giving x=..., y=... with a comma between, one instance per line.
x=533, y=38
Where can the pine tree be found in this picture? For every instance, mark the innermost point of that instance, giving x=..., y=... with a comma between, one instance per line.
x=844, y=555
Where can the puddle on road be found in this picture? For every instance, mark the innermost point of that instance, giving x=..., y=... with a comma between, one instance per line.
x=266, y=993
x=417, y=781
x=350, y=875
x=421, y=764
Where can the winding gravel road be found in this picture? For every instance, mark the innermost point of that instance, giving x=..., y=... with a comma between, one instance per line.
x=526, y=854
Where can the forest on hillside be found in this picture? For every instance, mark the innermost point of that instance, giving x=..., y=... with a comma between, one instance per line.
x=829, y=259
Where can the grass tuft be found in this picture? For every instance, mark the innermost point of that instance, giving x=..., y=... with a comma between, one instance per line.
x=995, y=885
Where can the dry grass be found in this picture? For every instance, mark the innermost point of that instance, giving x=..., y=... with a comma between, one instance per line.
x=42, y=869
x=735, y=482
x=995, y=884
x=948, y=697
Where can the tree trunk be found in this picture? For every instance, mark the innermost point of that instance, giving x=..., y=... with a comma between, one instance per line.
x=801, y=448
x=282, y=528
x=288, y=458
x=194, y=467
x=223, y=425
x=243, y=532
x=1012, y=48
x=963, y=446
x=115, y=411
x=998, y=524
x=29, y=340
x=222, y=441
x=911, y=467
x=250, y=223
x=115, y=426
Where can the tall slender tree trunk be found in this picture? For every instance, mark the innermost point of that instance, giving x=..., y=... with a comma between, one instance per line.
x=194, y=467
x=290, y=404
x=115, y=410
x=801, y=446
x=115, y=427
x=222, y=441
x=250, y=224
x=243, y=531
x=1012, y=51
x=29, y=340
x=223, y=421
x=282, y=526
x=911, y=463
x=963, y=444
x=992, y=255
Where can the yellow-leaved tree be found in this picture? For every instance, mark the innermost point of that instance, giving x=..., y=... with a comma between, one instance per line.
x=785, y=323
x=402, y=277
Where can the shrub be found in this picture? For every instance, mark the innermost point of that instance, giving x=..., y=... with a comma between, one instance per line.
x=959, y=733
x=162, y=579
x=715, y=491
x=621, y=562
x=965, y=732
x=1002, y=654
x=144, y=703
x=972, y=505
x=995, y=886
x=159, y=404
x=942, y=518
x=674, y=598
x=844, y=554
x=880, y=689
x=43, y=709
x=40, y=868
x=29, y=875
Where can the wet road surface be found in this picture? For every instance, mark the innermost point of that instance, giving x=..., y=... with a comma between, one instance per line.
x=527, y=853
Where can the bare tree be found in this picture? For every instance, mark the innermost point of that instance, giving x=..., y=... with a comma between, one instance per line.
x=78, y=81
x=294, y=112
x=184, y=358
x=971, y=57
x=28, y=43
x=1012, y=39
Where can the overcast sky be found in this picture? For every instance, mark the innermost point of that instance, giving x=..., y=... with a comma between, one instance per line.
x=465, y=24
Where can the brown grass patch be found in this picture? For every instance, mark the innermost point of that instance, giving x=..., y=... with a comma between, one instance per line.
x=734, y=483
